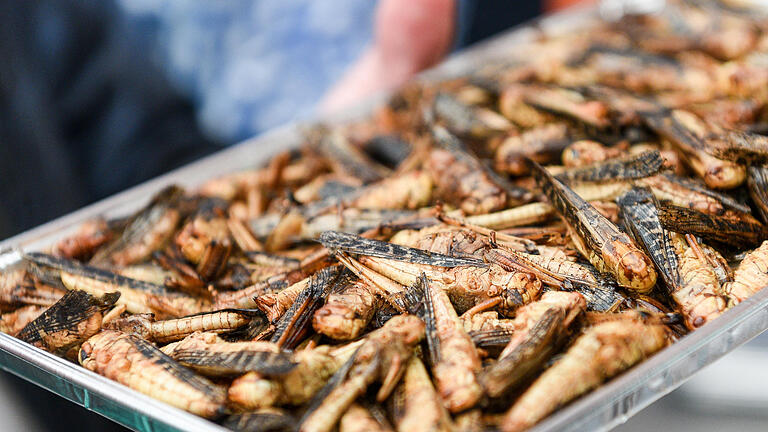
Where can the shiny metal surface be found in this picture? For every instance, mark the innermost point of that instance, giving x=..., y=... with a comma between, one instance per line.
x=602, y=409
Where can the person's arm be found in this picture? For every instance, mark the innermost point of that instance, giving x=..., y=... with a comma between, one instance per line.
x=409, y=36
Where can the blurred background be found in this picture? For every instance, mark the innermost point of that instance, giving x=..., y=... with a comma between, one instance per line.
x=97, y=96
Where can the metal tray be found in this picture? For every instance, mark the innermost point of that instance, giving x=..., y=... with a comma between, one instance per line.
x=606, y=407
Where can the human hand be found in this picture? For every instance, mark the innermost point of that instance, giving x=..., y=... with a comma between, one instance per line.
x=409, y=36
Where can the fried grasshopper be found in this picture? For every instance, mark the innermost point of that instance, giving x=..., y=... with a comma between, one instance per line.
x=345, y=157
x=220, y=321
x=206, y=243
x=600, y=353
x=540, y=328
x=346, y=313
x=313, y=368
x=735, y=229
x=742, y=147
x=453, y=356
x=137, y=296
x=136, y=363
x=689, y=134
x=469, y=121
x=381, y=358
x=462, y=179
x=70, y=321
x=623, y=168
x=751, y=275
x=542, y=144
x=685, y=270
x=557, y=271
x=700, y=292
x=468, y=281
x=607, y=248
x=684, y=192
x=296, y=321
x=145, y=232
x=210, y=355
x=415, y=405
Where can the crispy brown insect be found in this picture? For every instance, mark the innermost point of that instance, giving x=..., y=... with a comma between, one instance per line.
x=210, y=355
x=136, y=363
x=415, y=405
x=220, y=321
x=751, y=276
x=296, y=321
x=313, y=368
x=607, y=248
x=540, y=328
x=460, y=178
x=453, y=356
x=600, y=353
x=206, y=243
x=688, y=133
x=537, y=212
x=12, y=322
x=741, y=147
x=688, y=274
x=467, y=286
x=346, y=313
x=622, y=168
x=468, y=121
x=344, y=157
x=569, y=103
x=587, y=152
x=382, y=358
x=358, y=245
x=737, y=229
x=698, y=292
x=146, y=232
x=70, y=321
x=138, y=296
x=543, y=144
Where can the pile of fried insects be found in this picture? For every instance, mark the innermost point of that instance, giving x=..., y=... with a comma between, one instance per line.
x=478, y=253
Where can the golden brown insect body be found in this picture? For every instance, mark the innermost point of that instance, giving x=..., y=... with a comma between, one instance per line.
x=359, y=419
x=598, y=239
x=600, y=353
x=382, y=358
x=751, y=276
x=455, y=360
x=415, y=403
x=314, y=367
x=539, y=328
x=466, y=286
x=346, y=314
x=699, y=293
x=12, y=322
x=137, y=364
x=70, y=321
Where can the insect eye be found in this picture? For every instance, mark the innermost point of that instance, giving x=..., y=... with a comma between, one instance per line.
x=83, y=355
x=512, y=298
